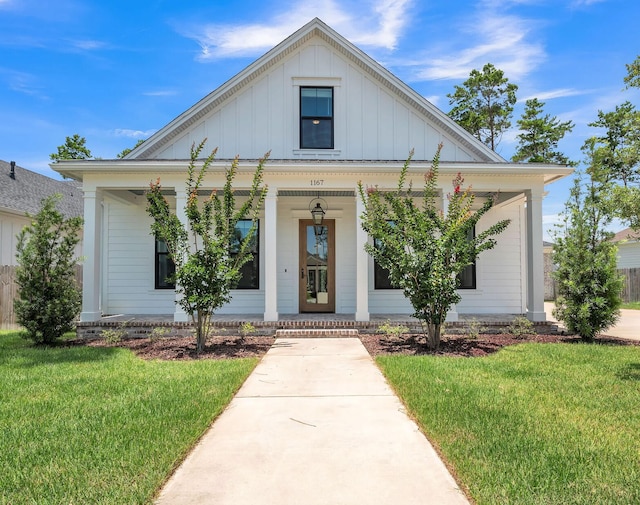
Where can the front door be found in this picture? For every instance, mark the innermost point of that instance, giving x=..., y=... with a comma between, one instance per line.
x=317, y=266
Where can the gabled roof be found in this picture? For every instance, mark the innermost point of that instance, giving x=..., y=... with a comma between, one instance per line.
x=628, y=234
x=315, y=28
x=24, y=193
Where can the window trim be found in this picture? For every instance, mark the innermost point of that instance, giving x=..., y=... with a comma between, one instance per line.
x=318, y=117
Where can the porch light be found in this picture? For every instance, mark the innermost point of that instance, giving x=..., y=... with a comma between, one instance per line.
x=317, y=212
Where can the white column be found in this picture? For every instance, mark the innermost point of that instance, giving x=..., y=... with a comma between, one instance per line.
x=92, y=252
x=452, y=313
x=271, y=256
x=535, y=262
x=362, y=265
x=179, y=314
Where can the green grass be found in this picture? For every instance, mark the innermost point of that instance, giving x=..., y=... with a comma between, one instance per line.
x=98, y=425
x=534, y=423
x=631, y=305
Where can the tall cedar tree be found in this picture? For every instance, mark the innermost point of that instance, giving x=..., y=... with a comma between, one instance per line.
x=540, y=135
x=423, y=248
x=74, y=148
x=49, y=298
x=483, y=105
x=206, y=271
x=589, y=286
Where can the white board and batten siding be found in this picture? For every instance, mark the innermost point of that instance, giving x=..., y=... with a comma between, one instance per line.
x=370, y=122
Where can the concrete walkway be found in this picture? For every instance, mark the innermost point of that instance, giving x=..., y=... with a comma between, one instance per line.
x=315, y=423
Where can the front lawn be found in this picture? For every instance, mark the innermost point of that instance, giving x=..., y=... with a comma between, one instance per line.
x=631, y=305
x=99, y=425
x=534, y=423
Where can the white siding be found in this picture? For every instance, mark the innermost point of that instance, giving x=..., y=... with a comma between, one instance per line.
x=629, y=254
x=369, y=121
x=498, y=281
x=10, y=226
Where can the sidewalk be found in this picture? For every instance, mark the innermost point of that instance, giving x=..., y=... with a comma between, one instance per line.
x=315, y=423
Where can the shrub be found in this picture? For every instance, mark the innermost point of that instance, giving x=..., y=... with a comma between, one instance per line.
x=49, y=299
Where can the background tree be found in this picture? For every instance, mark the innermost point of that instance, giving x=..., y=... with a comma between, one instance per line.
x=48, y=296
x=423, y=248
x=538, y=142
x=483, y=105
x=205, y=269
x=127, y=150
x=589, y=286
x=74, y=148
x=632, y=78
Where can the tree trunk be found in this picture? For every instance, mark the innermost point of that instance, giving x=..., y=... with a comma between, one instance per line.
x=433, y=335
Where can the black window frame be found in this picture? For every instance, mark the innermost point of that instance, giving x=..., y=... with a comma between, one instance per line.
x=163, y=263
x=381, y=278
x=469, y=272
x=252, y=266
x=306, y=119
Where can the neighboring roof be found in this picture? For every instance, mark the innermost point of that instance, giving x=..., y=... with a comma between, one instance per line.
x=626, y=234
x=318, y=28
x=24, y=193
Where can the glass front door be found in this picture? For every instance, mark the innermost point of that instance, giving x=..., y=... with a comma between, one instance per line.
x=317, y=259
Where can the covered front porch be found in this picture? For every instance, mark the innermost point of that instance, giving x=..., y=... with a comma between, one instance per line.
x=142, y=325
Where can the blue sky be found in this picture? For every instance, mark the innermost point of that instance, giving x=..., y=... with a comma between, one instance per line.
x=117, y=71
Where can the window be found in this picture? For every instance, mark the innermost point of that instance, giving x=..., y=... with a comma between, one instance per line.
x=250, y=270
x=381, y=278
x=467, y=278
x=165, y=267
x=316, y=118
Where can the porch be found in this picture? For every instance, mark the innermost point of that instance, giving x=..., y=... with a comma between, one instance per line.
x=142, y=325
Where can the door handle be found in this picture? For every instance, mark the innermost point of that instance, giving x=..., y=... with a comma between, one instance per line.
x=302, y=273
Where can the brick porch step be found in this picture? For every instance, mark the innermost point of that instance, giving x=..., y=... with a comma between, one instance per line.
x=317, y=332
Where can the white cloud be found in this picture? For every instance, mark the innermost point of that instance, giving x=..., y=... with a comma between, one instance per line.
x=87, y=45
x=166, y=92
x=22, y=82
x=556, y=93
x=500, y=39
x=136, y=134
x=382, y=28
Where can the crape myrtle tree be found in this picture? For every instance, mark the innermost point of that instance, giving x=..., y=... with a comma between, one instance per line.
x=540, y=134
x=589, y=286
x=49, y=298
x=483, y=105
x=205, y=269
x=423, y=248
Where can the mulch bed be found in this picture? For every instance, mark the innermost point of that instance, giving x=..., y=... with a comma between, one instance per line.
x=229, y=346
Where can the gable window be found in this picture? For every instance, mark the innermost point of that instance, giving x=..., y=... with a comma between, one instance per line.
x=164, y=266
x=250, y=270
x=316, y=118
x=467, y=278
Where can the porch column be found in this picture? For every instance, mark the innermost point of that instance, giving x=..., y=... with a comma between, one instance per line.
x=271, y=256
x=452, y=313
x=179, y=314
x=92, y=252
x=535, y=263
x=362, y=265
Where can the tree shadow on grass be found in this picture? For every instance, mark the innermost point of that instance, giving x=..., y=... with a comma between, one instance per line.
x=630, y=372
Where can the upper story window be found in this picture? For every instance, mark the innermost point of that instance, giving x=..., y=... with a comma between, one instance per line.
x=316, y=118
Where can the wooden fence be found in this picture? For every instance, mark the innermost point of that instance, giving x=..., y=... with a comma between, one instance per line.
x=9, y=292
x=631, y=290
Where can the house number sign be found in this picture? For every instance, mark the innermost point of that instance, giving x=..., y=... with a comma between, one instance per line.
x=317, y=182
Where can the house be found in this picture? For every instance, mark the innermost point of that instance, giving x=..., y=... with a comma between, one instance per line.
x=628, y=242
x=21, y=194
x=331, y=116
